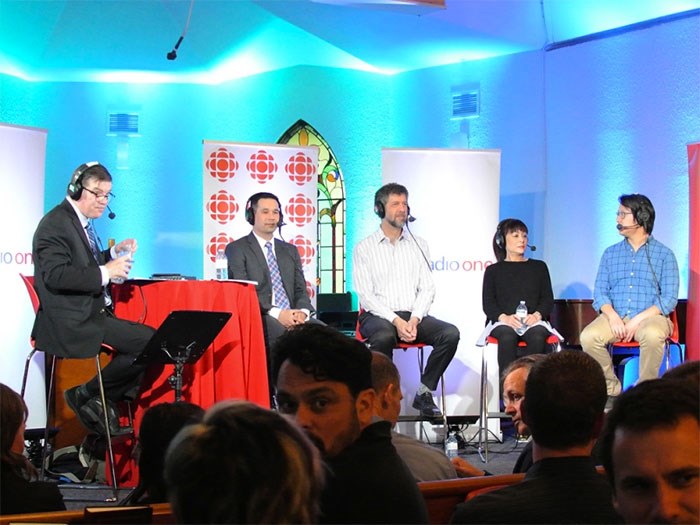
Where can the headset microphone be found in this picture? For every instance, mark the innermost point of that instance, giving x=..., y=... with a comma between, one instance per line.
x=111, y=214
x=620, y=227
x=411, y=218
x=532, y=247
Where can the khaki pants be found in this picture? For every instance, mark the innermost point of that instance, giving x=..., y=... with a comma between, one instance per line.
x=651, y=336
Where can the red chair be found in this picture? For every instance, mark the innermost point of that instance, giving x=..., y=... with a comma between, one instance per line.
x=421, y=361
x=34, y=297
x=484, y=413
x=631, y=348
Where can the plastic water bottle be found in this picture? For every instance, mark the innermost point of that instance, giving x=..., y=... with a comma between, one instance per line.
x=451, y=446
x=121, y=253
x=221, y=266
x=521, y=313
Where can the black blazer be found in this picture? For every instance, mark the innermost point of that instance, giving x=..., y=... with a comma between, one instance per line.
x=70, y=320
x=246, y=260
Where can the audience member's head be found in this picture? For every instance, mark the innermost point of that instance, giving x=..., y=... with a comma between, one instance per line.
x=13, y=417
x=324, y=382
x=564, y=400
x=651, y=452
x=243, y=464
x=159, y=426
x=513, y=379
x=690, y=371
x=387, y=387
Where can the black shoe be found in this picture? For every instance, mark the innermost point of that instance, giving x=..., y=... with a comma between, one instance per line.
x=426, y=406
x=93, y=413
x=76, y=398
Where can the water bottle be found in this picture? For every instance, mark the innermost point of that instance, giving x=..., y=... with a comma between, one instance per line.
x=451, y=446
x=121, y=253
x=221, y=266
x=521, y=313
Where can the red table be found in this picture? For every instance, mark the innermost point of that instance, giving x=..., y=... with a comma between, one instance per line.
x=234, y=366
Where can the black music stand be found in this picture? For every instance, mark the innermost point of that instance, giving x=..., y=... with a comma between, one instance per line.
x=181, y=339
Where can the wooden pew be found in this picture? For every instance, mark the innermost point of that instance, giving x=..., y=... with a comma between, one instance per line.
x=161, y=514
x=441, y=497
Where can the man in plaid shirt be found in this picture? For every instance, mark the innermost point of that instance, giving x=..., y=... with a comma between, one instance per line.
x=635, y=290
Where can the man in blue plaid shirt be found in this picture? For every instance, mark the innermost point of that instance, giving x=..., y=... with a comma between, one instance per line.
x=635, y=290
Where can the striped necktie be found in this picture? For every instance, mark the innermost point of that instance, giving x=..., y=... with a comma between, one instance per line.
x=92, y=240
x=280, y=295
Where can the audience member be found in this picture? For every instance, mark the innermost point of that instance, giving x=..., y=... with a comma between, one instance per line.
x=635, y=290
x=324, y=383
x=392, y=278
x=243, y=464
x=512, y=279
x=20, y=492
x=71, y=276
x=563, y=408
x=426, y=462
x=651, y=452
x=689, y=370
x=159, y=426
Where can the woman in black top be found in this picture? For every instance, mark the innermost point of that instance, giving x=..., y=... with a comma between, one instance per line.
x=512, y=279
x=19, y=492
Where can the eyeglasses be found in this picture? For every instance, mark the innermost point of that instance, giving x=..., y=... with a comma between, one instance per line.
x=101, y=196
x=622, y=214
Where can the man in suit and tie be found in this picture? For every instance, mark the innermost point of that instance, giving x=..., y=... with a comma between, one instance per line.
x=71, y=275
x=275, y=265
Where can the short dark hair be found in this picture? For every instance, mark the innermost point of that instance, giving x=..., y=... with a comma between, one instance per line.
x=642, y=209
x=382, y=196
x=565, y=395
x=688, y=371
x=526, y=361
x=326, y=354
x=505, y=227
x=657, y=403
x=384, y=371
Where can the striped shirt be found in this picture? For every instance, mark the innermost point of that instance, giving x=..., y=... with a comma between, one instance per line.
x=626, y=280
x=395, y=277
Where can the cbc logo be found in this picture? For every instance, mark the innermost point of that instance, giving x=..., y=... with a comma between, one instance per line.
x=222, y=164
x=305, y=249
x=300, y=169
x=216, y=243
x=262, y=166
x=222, y=207
x=311, y=290
x=300, y=210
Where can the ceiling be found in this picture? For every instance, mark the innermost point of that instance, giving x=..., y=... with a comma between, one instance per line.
x=128, y=40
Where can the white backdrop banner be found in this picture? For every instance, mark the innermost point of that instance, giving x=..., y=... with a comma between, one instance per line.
x=22, y=163
x=454, y=195
x=233, y=172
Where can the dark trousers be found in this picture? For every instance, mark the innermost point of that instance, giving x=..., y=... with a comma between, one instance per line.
x=121, y=377
x=381, y=336
x=508, y=349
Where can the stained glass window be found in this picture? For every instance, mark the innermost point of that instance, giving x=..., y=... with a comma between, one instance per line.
x=330, y=251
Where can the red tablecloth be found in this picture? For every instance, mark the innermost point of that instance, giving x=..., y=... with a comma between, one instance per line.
x=234, y=366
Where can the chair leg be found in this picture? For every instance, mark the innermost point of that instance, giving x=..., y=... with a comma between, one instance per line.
x=484, y=409
x=26, y=372
x=49, y=405
x=108, y=432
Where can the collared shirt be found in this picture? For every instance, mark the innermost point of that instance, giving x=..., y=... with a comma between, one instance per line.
x=394, y=277
x=84, y=222
x=633, y=281
x=275, y=310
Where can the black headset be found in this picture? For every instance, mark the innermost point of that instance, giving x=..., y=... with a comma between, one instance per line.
x=75, y=186
x=499, y=238
x=642, y=210
x=253, y=201
x=383, y=193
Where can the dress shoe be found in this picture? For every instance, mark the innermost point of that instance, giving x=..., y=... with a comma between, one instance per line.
x=92, y=412
x=76, y=398
x=426, y=406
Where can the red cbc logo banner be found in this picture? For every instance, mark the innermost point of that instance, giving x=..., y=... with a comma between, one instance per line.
x=262, y=166
x=222, y=207
x=222, y=164
x=300, y=168
x=300, y=210
x=216, y=243
x=310, y=289
x=305, y=249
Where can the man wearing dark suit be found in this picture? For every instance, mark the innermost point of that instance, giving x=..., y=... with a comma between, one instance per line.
x=563, y=406
x=71, y=274
x=253, y=258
